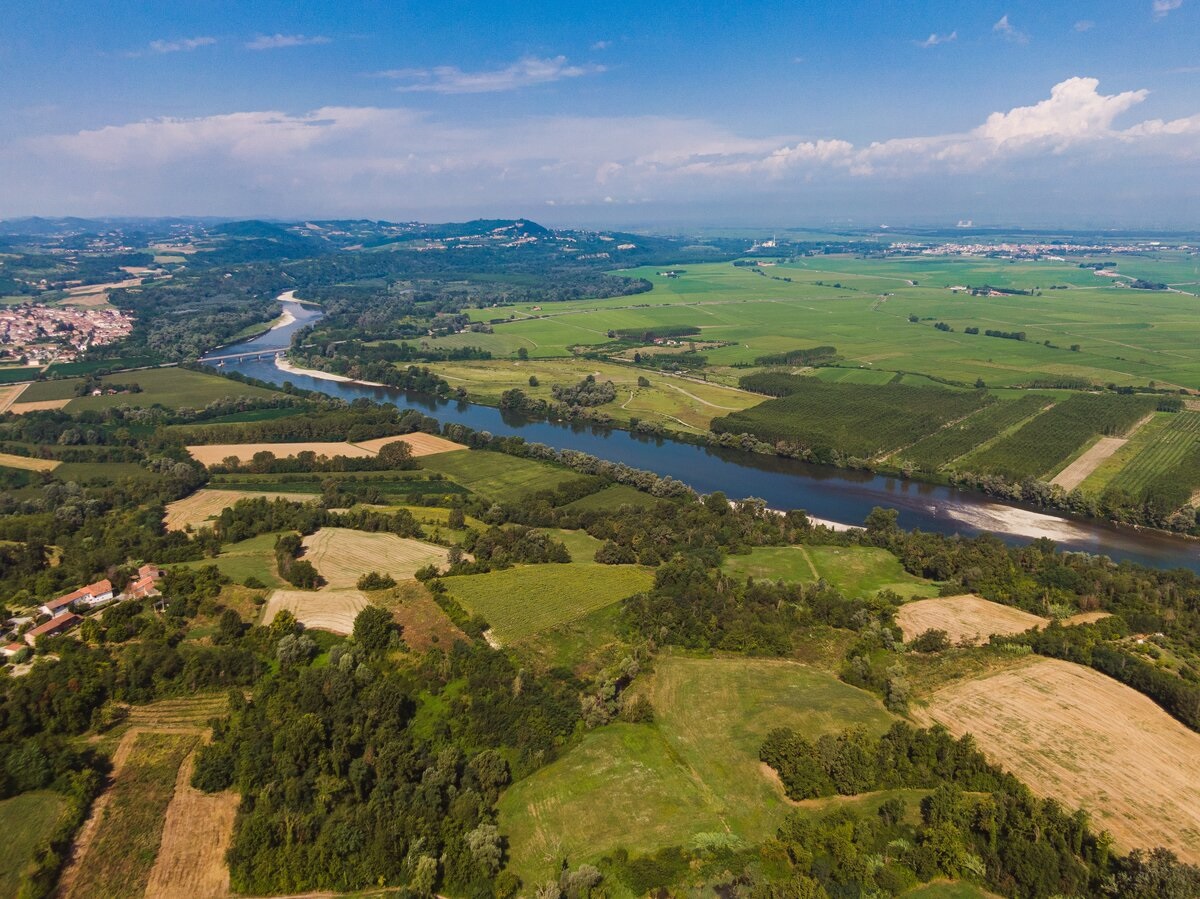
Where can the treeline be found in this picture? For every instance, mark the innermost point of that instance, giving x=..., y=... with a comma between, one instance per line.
x=360, y=420
x=395, y=456
x=979, y=824
x=258, y=515
x=817, y=355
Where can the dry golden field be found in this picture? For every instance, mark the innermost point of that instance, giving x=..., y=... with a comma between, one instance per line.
x=1074, y=734
x=197, y=509
x=326, y=610
x=38, y=406
x=967, y=617
x=7, y=460
x=215, y=453
x=342, y=555
x=973, y=618
x=197, y=831
x=421, y=444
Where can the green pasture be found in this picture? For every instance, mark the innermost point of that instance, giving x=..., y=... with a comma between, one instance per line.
x=612, y=498
x=245, y=559
x=499, y=477
x=694, y=771
x=854, y=570
x=1125, y=336
x=170, y=387
x=524, y=600
x=26, y=820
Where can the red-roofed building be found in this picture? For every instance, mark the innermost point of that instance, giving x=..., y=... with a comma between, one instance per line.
x=11, y=649
x=145, y=583
x=91, y=595
x=52, y=628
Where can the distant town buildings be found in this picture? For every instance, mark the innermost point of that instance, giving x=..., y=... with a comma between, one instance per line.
x=43, y=334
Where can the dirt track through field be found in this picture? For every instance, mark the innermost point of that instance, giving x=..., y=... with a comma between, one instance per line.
x=1077, y=472
x=1088, y=741
x=9, y=395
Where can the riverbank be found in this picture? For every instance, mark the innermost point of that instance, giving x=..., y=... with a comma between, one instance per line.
x=283, y=364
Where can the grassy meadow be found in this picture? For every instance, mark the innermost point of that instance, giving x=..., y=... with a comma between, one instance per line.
x=522, y=601
x=496, y=476
x=693, y=772
x=26, y=820
x=854, y=570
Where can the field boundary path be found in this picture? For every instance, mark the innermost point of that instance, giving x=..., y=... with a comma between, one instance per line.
x=10, y=396
x=1090, y=459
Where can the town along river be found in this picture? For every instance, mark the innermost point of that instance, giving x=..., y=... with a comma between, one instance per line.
x=825, y=493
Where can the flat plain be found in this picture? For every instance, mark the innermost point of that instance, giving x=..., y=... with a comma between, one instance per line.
x=522, y=601
x=1088, y=741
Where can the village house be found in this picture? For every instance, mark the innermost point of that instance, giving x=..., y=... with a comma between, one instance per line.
x=52, y=628
x=145, y=584
x=11, y=649
x=91, y=595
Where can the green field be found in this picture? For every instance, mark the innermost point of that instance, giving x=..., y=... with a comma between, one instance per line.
x=41, y=391
x=669, y=400
x=74, y=369
x=26, y=820
x=1124, y=336
x=16, y=375
x=947, y=444
x=612, y=498
x=1046, y=443
x=527, y=599
x=171, y=387
x=859, y=419
x=497, y=476
x=854, y=570
x=1168, y=465
x=694, y=771
x=248, y=558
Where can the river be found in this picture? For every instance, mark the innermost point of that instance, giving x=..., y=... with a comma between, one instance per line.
x=826, y=493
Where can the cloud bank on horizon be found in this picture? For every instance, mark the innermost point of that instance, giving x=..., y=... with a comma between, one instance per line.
x=682, y=132
x=360, y=156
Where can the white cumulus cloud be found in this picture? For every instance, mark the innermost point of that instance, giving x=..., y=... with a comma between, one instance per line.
x=1005, y=29
x=934, y=39
x=1162, y=8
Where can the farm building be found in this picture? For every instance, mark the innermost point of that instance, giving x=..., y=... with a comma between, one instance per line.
x=91, y=595
x=144, y=584
x=52, y=628
x=11, y=649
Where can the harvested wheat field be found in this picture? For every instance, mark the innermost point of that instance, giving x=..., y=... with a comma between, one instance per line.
x=197, y=509
x=216, y=453
x=342, y=555
x=325, y=610
x=196, y=833
x=1088, y=741
x=1077, y=472
x=39, y=406
x=966, y=617
x=8, y=460
x=9, y=395
x=421, y=444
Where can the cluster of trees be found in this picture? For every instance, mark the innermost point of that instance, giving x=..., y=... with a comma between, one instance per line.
x=296, y=571
x=359, y=420
x=343, y=789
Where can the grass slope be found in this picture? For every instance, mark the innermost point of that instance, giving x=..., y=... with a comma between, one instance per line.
x=26, y=821
x=694, y=771
x=855, y=570
x=499, y=477
x=518, y=602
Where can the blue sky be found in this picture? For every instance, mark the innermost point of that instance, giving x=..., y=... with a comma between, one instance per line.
x=617, y=113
